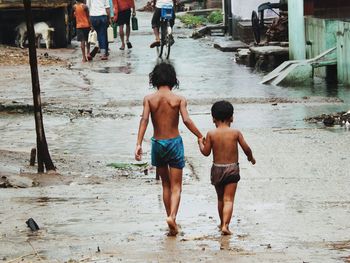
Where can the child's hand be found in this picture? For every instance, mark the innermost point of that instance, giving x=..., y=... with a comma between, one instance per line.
x=138, y=153
x=252, y=160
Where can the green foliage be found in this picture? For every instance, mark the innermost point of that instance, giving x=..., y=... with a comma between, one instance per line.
x=215, y=17
x=192, y=21
x=127, y=165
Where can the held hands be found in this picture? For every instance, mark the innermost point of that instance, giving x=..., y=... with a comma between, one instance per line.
x=138, y=153
x=201, y=142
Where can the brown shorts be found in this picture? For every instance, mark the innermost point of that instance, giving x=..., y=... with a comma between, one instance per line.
x=223, y=174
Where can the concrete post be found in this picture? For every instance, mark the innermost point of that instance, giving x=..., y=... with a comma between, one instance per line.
x=296, y=28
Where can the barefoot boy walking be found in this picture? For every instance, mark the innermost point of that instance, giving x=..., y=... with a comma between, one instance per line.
x=81, y=13
x=165, y=108
x=223, y=141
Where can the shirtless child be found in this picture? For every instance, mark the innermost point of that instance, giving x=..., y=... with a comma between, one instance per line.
x=165, y=108
x=223, y=141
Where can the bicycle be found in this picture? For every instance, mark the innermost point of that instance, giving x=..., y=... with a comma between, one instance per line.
x=166, y=32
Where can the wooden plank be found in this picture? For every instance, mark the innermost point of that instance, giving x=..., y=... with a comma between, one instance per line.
x=284, y=74
x=6, y=4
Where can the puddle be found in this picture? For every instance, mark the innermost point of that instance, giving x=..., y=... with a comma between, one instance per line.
x=121, y=69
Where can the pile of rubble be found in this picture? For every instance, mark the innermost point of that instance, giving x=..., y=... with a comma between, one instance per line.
x=12, y=56
x=338, y=118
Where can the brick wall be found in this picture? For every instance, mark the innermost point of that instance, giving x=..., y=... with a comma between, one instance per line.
x=213, y=3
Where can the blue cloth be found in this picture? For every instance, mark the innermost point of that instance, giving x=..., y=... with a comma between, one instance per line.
x=100, y=25
x=111, y=9
x=168, y=152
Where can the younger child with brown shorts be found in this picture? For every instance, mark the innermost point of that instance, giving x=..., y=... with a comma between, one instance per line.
x=223, y=141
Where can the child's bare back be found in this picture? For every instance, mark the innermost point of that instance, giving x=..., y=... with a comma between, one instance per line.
x=165, y=107
x=224, y=142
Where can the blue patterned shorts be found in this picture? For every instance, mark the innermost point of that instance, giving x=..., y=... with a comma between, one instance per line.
x=168, y=152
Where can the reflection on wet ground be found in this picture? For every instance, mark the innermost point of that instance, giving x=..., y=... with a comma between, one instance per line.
x=122, y=214
x=121, y=69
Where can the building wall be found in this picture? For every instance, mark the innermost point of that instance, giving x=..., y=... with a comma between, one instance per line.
x=213, y=4
x=325, y=34
x=328, y=8
x=321, y=33
x=343, y=54
x=244, y=8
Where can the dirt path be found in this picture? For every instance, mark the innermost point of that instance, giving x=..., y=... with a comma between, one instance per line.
x=293, y=206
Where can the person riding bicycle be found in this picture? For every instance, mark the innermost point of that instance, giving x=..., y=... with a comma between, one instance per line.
x=157, y=16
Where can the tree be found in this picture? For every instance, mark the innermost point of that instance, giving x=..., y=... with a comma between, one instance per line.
x=41, y=144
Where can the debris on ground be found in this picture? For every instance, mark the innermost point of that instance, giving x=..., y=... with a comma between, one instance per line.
x=338, y=118
x=32, y=224
x=12, y=56
x=15, y=181
x=126, y=169
x=147, y=8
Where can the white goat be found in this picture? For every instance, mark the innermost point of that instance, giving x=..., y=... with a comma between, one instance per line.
x=41, y=29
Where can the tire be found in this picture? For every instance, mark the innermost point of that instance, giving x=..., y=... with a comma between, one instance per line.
x=163, y=40
x=167, y=47
x=161, y=50
x=256, y=27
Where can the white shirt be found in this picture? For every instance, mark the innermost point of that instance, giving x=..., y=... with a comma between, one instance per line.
x=97, y=7
x=161, y=3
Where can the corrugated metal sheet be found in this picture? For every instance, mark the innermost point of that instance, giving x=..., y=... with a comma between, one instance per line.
x=321, y=33
x=343, y=52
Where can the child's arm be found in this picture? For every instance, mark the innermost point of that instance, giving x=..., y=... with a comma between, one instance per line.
x=142, y=129
x=205, y=145
x=115, y=10
x=87, y=12
x=187, y=120
x=248, y=152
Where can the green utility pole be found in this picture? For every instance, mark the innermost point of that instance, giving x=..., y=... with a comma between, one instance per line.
x=296, y=30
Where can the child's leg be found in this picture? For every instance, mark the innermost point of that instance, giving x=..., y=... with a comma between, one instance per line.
x=229, y=196
x=121, y=33
x=220, y=193
x=127, y=32
x=164, y=174
x=176, y=188
x=82, y=46
x=87, y=47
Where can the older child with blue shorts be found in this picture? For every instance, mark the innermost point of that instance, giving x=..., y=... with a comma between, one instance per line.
x=165, y=107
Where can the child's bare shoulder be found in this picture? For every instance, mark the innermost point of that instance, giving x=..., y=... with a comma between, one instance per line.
x=235, y=132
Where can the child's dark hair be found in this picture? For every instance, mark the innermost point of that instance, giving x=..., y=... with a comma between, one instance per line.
x=80, y=1
x=222, y=110
x=163, y=74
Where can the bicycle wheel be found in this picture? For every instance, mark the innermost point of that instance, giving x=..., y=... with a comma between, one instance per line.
x=161, y=48
x=163, y=38
x=169, y=41
x=256, y=27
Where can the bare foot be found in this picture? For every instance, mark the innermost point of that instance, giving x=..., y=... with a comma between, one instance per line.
x=225, y=231
x=84, y=60
x=172, y=226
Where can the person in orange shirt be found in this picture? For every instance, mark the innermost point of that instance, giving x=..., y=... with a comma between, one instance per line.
x=122, y=14
x=83, y=25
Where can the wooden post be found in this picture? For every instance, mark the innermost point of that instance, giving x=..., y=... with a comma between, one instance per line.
x=42, y=148
x=32, y=157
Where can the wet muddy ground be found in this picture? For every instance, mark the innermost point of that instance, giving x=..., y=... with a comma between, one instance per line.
x=292, y=206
